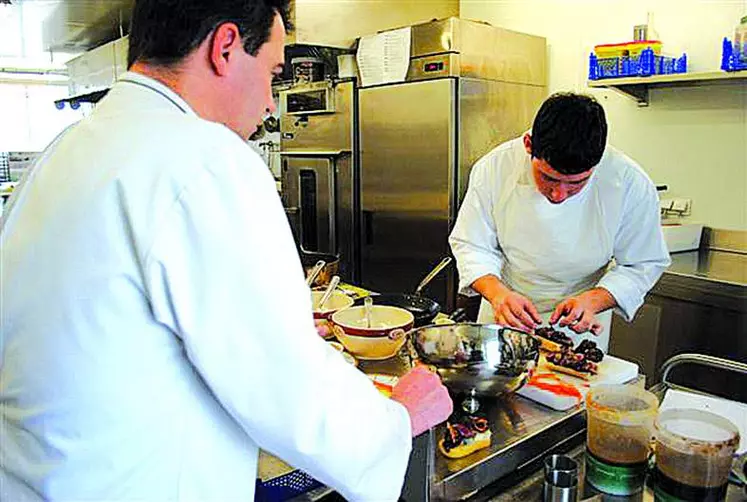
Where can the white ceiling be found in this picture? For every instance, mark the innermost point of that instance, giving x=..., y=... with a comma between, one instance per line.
x=21, y=32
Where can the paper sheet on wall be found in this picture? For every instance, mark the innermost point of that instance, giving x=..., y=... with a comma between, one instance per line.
x=731, y=410
x=385, y=57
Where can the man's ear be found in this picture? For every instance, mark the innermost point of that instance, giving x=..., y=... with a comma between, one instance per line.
x=226, y=39
x=528, y=143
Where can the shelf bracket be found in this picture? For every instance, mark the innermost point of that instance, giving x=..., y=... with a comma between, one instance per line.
x=637, y=92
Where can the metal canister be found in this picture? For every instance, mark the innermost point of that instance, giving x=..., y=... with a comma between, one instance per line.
x=561, y=479
x=307, y=70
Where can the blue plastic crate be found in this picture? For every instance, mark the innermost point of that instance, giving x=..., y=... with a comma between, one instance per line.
x=284, y=487
x=733, y=57
x=643, y=65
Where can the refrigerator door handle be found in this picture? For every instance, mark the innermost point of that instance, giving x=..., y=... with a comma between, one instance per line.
x=367, y=228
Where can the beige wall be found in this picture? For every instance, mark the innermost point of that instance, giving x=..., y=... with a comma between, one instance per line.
x=692, y=139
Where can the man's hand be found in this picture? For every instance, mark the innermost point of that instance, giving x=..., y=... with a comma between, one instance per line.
x=509, y=308
x=514, y=310
x=322, y=328
x=579, y=312
x=427, y=401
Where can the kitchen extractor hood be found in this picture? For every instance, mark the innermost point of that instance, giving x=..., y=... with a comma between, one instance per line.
x=338, y=23
x=79, y=25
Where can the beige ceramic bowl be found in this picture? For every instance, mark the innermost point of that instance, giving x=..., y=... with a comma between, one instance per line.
x=384, y=320
x=337, y=301
x=372, y=348
x=382, y=340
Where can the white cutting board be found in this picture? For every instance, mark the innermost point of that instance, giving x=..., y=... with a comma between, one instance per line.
x=612, y=370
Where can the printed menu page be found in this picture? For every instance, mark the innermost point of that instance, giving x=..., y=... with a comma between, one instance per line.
x=385, y=57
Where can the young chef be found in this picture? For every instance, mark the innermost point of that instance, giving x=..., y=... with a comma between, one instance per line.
x=156, y=325
x=558, y=226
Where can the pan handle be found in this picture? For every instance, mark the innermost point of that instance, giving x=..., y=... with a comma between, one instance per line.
x=315, y=272
x=459, y=315
x=428, y=278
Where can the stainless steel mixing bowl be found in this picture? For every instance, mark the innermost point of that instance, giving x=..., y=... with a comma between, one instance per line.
x=479, y=359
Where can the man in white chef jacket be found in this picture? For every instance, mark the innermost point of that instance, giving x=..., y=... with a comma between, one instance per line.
x=156, y=325
x=559, y=227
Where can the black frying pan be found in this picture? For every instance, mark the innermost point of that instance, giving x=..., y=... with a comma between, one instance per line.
x=423, y=309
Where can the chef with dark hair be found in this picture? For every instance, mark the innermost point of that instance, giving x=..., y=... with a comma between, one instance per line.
x=558, y=226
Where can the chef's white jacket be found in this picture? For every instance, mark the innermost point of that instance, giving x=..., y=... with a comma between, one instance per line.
x=157, y=329
x=608, y=235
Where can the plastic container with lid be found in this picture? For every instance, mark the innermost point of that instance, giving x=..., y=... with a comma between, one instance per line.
x=627, y=48
x=620, y=420
x=307, y=70
x=694, y=451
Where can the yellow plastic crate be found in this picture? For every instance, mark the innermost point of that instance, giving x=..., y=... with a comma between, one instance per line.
x=626, y=48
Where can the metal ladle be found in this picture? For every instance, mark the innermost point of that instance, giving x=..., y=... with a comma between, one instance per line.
x=314, y=272
x=330, y=289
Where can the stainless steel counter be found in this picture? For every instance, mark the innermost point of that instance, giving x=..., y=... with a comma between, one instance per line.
x=709, y=277
x=527, y=485
x=711, y=265
x=521, y=432
x=530, y=488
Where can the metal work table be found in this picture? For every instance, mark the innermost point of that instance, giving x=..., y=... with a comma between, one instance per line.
x=698, y=305
x=708, y=277
x=528, y=485
x=717, y=266
x=521, y=432
x=530, y=488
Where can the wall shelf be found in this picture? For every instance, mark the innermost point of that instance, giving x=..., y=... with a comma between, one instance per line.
x=638, y=87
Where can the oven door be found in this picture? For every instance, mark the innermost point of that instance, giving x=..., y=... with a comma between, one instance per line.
x=309, y=200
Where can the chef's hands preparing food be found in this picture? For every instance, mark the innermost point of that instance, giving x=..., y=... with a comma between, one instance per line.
x=426, y=399
x=514, y=310
x=579, y=312
x=509, y=307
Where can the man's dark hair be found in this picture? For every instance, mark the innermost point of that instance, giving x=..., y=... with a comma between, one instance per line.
x=569, y=133
x=165, y=31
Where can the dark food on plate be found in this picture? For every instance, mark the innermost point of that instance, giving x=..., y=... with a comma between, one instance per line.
x=568, y=359
x=581, y=362
x=559, y=340
x=561, y=356
x=590, y=351
x=465, y=435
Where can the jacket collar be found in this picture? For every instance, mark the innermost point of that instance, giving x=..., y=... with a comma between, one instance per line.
x=140, y=80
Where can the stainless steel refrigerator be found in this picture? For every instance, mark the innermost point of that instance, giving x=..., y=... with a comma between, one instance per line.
x=470, y=87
